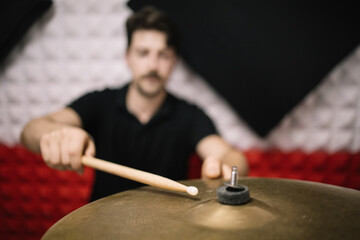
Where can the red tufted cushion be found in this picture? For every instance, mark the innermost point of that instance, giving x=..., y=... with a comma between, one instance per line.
x=33, y=196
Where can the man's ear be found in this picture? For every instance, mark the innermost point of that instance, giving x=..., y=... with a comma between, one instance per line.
x=127, y=56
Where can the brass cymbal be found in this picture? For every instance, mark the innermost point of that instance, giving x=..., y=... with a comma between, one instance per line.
x=279, y=209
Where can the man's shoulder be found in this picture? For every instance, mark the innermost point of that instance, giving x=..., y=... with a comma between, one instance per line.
x=105, y=93
x=194, y=117
x=185, y=105
x=98, y=97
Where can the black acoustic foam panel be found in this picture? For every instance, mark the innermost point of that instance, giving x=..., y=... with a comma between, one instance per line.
x=263, y=57
x=16, y=17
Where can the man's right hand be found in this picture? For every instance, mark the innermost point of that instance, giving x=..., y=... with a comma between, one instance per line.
x=62, y=149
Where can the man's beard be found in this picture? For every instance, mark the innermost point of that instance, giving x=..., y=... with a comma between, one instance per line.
x=145, y=93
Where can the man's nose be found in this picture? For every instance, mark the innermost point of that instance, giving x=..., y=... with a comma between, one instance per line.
x=153, y=63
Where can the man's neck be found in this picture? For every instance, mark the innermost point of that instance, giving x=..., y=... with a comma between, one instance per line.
x=142, y=107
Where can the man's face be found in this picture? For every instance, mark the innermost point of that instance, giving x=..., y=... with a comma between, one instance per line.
x=150, y=61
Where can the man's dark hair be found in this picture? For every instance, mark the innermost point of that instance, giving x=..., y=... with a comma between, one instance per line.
x=150, y=18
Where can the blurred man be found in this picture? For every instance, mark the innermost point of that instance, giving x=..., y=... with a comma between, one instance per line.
x=139, y=125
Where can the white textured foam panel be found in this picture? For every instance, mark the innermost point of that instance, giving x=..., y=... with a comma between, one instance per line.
x=80, y=46
x=329, y=117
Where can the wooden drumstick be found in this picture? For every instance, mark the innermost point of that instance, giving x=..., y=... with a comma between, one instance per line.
x=137, y=175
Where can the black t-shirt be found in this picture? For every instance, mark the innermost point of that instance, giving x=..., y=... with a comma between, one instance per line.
x=161, y=146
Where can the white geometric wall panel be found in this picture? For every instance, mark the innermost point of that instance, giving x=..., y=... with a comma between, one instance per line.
x=80, y=46
x=329, y=117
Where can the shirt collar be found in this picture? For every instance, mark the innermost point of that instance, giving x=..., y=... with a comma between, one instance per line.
x=165, y=109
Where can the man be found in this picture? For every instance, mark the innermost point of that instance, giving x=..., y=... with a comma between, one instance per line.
x=140, y=125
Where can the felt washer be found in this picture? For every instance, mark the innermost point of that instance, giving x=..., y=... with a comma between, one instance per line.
x=233, y=196
x=232, y=193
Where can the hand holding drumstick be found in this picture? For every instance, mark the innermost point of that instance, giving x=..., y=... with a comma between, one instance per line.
x=62, y=148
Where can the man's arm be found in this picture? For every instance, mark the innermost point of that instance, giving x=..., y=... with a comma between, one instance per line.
x=59, y=138
x=219, y=157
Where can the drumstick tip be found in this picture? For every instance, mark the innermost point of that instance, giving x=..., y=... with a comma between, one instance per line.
x=192, y=190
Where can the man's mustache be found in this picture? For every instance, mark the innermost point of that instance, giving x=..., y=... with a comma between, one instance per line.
x=152, y=75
